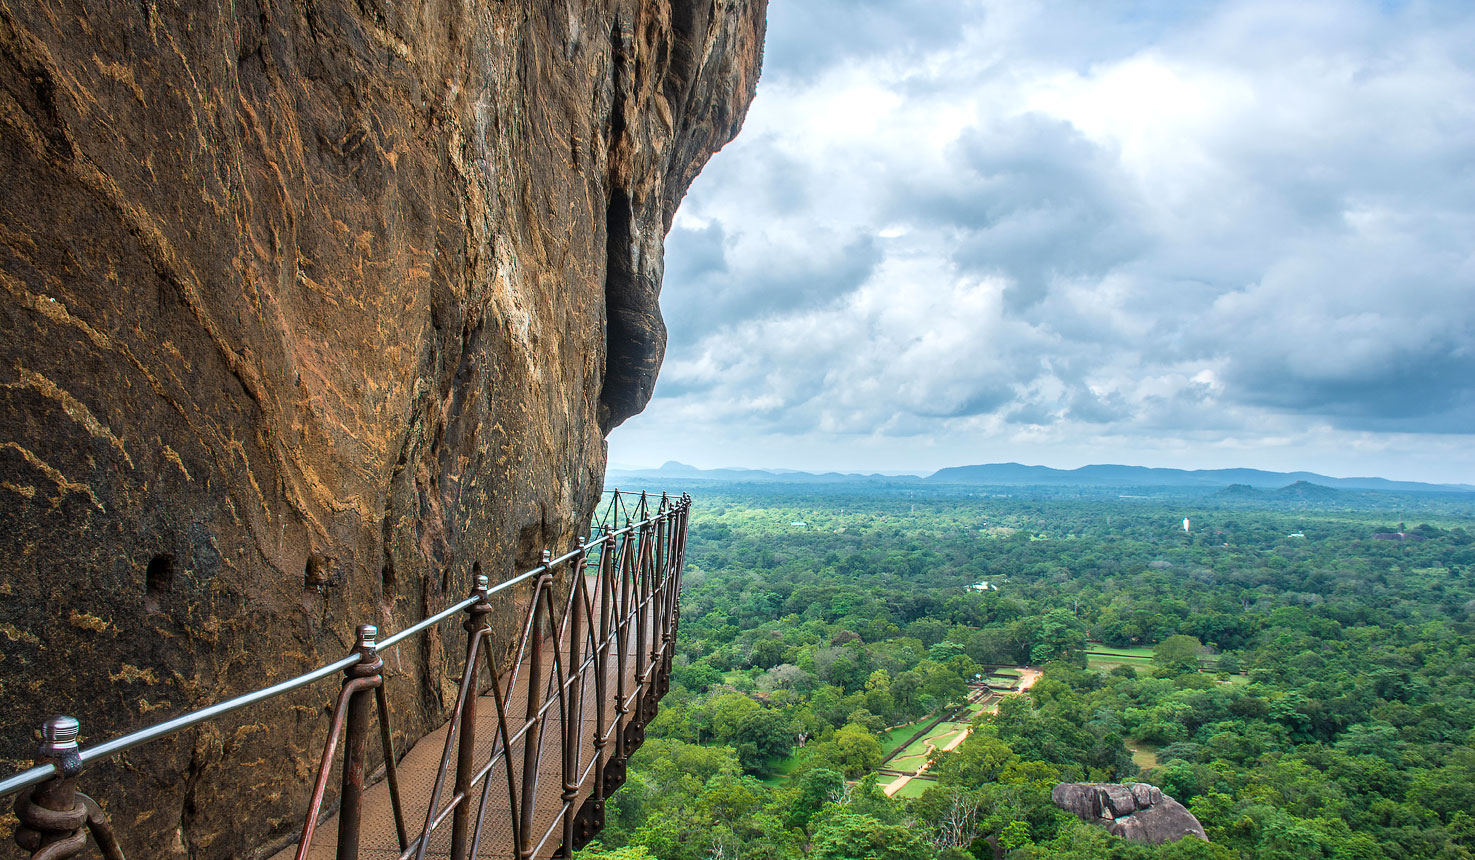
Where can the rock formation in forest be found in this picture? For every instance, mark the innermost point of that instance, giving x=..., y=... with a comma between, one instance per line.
x=1133, y=810
x=311, y=311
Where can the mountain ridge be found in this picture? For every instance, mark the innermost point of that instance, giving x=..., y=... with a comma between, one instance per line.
x=1018, y=474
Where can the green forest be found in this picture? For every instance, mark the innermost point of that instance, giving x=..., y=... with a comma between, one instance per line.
x=1299, y=671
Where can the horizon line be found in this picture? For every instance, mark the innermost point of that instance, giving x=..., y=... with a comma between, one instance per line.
x=901, y=473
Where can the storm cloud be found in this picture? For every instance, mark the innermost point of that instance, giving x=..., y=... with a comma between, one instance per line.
x=1191, y=234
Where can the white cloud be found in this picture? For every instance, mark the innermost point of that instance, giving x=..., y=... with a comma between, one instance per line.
x=958, y=229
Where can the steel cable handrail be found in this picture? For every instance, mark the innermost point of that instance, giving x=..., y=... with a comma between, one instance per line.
x=40, y=773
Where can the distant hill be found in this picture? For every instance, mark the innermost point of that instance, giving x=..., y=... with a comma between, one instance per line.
x=672, y=469
x=1014, y=474
x=1240, y=491
x=1303, y=491
x=1307, y=491
x=1244, y=483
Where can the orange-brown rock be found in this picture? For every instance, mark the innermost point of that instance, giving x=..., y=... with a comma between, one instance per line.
x=311, y=308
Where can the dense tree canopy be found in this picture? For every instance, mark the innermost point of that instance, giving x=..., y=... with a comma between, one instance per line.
x=1307, y=690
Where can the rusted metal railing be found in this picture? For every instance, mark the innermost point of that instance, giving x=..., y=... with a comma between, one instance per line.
x=534, y=744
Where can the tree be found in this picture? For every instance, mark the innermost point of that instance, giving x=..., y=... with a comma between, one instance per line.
x=729, y=713
x=978, y=760
x=1015, y=835
x=767, y=652
x=596, y=851
x=944, y=651
x=808, y=793
x=957, y=822
x=846, y=836
x=1058, y=636
x=856, y=751
x=1177, y=654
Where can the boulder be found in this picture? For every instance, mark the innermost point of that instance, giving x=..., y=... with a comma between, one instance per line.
x=1133, y=810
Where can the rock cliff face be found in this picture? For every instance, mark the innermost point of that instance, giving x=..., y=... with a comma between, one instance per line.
x=1134, y=810
x=311, y=308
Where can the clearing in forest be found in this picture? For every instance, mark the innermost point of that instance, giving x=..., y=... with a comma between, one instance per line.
x=911, y=763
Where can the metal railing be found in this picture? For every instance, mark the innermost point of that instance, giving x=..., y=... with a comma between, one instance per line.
x=585, y=676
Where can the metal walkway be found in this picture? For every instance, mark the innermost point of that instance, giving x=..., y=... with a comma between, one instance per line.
x=522, y=768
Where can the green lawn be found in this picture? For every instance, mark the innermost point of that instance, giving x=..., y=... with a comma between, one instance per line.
x=779, y=768
x=974, y=708
x=1106, y=664
x=1144, y=754
x=1140, y=651
x=915, y=788
x=894, y=738
x=915, y=751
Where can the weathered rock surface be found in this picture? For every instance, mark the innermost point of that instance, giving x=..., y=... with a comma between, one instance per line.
x=1133, y=810
x=310, y=309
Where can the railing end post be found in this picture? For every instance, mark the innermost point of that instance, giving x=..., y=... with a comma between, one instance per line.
x=477, y=612
x=51, y=812
x=359, y=681
x=367, y=634
x=59, y=743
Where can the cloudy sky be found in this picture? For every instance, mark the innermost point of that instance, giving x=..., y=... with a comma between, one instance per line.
x=1193, y=234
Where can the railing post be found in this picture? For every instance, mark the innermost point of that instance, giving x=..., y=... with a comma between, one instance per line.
x=622, y=646
x=591, y=814
x=50, y=814
x=532, y=739
x=355, y=749
x=475, y=623
x=668, y=596
x=573, y=712
x=607, y=579
x=642, y=617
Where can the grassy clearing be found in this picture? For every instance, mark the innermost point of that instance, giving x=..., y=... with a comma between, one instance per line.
x=894, y=738
x=779, y=768
x=1144, y=754
x=974, y=709
x=907, y=763
x=915, y=788
x=1140, y=651
x=915, y=749
x=1106, y=664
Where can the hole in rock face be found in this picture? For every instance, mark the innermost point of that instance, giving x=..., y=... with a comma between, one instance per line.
x=315, y=575
x=445, y=580
x=386, y=575
x=159, y=577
